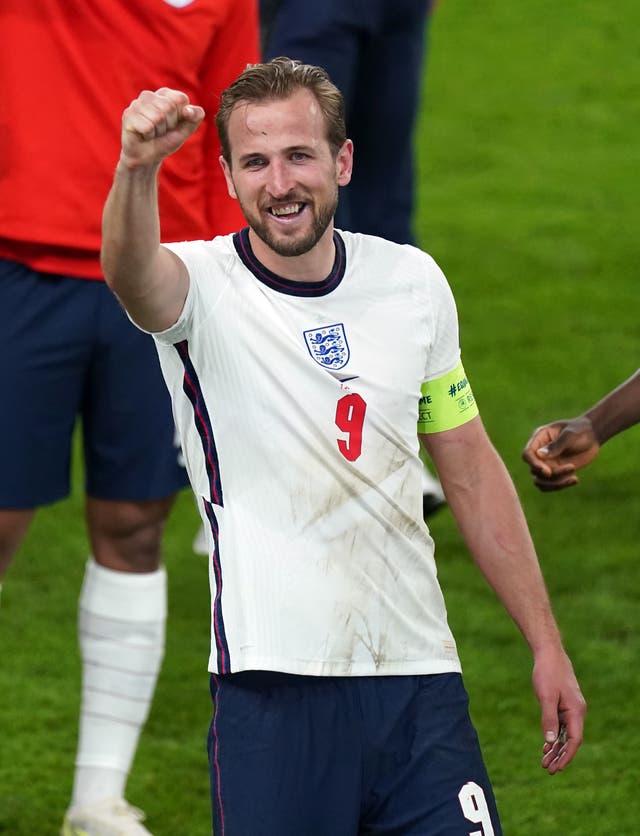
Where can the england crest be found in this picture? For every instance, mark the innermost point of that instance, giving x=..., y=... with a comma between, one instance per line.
x=328, y=346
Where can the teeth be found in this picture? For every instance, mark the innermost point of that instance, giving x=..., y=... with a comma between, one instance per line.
x=291, y=209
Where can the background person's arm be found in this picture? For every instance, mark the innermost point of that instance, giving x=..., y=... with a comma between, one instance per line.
x=485, y=505
x=556, y=450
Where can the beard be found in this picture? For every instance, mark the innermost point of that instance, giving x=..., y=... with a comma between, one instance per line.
x=288, y=247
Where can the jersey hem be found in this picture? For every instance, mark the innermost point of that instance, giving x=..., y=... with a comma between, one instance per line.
x=343, y=668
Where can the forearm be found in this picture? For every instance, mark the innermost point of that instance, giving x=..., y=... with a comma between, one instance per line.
x=617, y=411
x=150, y=280
x=490, y=518
x=131, y=231
x=485, y=504
x=499, y=541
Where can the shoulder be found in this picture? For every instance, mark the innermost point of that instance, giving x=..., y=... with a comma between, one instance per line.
x=404, y=262
x=369, y=247
x=207, y=257
x=212, y=249
x=213, y=266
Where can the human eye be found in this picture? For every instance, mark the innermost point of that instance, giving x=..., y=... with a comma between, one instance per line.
x=254, y=162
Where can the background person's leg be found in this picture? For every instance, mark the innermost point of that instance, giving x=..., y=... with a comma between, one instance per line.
x=13, y=528
x=121, y=658
x=132, y=475
x=41, y=360
x=381, y=119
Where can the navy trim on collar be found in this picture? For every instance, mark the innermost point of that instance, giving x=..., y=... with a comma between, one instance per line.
x=291, y=288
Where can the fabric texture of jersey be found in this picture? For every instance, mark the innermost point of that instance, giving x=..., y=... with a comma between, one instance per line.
x=277, y=384
x=67, y=71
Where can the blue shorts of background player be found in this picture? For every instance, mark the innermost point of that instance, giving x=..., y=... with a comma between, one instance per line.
x=346, y=756
x=68, y=351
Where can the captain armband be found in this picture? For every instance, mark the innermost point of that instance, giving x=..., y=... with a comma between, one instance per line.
x=446, y=402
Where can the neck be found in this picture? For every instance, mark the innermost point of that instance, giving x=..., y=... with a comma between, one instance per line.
x=312, y=266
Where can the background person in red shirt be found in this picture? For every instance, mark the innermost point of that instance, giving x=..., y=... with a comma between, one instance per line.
x=68, y=351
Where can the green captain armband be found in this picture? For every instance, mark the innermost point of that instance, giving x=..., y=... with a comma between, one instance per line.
x=446, y=403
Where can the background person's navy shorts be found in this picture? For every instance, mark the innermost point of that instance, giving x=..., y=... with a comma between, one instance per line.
x=67, y=350
x=346, y=756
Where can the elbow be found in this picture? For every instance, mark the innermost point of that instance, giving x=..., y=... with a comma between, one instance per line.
x=112, y=265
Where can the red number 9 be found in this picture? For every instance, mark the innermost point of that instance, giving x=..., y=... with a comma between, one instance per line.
x=350, y=412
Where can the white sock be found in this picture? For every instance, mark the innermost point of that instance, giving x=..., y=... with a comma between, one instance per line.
x=121, y=630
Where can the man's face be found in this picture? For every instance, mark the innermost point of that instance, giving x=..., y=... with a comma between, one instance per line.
x=282, y=171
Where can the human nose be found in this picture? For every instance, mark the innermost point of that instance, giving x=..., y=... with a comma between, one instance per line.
x=280, y=179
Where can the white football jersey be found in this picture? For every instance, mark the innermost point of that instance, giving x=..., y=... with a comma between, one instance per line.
x=296, y=404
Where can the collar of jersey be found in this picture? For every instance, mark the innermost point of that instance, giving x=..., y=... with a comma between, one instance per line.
x=292, y=288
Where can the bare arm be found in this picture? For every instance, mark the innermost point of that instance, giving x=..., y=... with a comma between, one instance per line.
x=150, y=281
x=486, y=507
x=556, y=450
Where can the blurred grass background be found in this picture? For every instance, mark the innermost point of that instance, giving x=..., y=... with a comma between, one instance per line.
x=528, y=162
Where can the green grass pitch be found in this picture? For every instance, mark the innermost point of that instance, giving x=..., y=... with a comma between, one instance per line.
x=528, y=151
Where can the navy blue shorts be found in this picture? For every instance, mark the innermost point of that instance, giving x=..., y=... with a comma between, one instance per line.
x=67, y=350
x=346, y=756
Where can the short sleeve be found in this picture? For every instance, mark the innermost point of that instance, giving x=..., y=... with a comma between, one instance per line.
x=208, y=265
x=444, y=338
x=446, y=400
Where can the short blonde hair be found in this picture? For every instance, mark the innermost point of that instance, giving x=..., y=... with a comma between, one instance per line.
x=279, y=79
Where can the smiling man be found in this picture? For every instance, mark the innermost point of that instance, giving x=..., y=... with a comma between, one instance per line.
x=303, y=364
x=286, y=175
